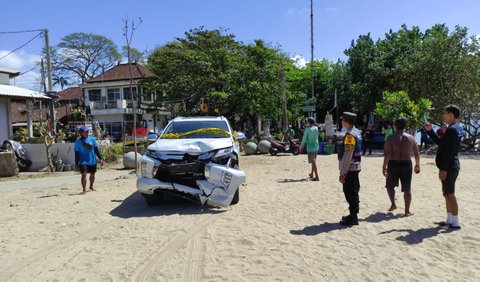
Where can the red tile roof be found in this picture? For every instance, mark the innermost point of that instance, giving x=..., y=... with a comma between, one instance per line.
x=122, y=72
x=72, y=93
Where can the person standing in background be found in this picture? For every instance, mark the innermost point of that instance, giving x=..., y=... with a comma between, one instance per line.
x=289, y=134
x=86, y=153
x=387, y=131
x=310, y=139
x=368, y=141
x=349, y=157
x=397, y=163
x=447, y=161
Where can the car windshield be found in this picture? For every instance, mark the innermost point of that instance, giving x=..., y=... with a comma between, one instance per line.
x=196, y=129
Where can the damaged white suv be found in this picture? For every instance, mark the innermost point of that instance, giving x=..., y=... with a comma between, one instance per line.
x=195, y=158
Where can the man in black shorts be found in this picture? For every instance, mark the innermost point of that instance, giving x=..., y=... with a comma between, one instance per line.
x=86, y=153
x=397, y=163
x=447, y=161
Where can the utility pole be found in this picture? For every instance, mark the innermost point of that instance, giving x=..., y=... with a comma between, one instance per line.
x=311, y=49
x=284, y=97
x=312, y=114
x=50, y=91
x=49, y=62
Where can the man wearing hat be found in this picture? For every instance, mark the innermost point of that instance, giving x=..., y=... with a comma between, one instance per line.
x=86, y=153
x=349, y=157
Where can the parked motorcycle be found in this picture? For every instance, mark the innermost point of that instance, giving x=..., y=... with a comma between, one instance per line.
x=284, y=147
x=20, y=154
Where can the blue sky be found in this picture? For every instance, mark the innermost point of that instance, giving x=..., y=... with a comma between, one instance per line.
x=283, y=22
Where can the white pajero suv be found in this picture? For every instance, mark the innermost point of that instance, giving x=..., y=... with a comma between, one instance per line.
x=195, y=158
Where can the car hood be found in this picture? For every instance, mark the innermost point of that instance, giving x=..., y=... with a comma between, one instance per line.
x=191, y=146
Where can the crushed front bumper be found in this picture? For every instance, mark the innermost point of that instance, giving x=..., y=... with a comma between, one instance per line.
x=216, y=188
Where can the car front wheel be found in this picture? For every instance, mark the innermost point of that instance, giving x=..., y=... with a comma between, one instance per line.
x=236, y=197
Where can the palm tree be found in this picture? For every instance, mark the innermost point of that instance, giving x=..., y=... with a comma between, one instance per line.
x=62, y=81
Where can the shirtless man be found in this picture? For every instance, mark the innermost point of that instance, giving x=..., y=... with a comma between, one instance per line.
x=397, y=163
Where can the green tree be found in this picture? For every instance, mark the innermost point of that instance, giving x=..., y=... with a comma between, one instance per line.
x=195, y=67
x=256, y=81
x=135, y=54
x=241, y=81
x=83, y=55
x=60, y=80
x=398, y=104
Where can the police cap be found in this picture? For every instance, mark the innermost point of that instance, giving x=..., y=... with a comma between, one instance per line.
x=349, y=117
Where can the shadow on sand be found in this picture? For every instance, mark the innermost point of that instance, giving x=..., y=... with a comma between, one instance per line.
x=319, y=229
x=135, y=206
x=417, y=236
x=380, y=216
x=289, y=180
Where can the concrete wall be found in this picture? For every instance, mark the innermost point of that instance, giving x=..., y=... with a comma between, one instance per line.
x=37, y=153
x=4, y=78
x=4, y=124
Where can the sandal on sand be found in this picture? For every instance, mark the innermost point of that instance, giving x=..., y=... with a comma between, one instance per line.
x=310, y=175
x=315, y=179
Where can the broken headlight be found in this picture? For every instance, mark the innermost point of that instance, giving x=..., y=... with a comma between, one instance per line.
x=223, y=156
x=207, y=171
x=151, y=154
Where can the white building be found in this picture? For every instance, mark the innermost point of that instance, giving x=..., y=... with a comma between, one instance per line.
x=109, y=100
x=9, y=93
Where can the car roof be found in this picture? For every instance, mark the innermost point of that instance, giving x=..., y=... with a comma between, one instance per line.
x=199, y=118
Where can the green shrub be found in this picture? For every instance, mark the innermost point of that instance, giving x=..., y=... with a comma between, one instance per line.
x=253, y=139
x=111, y=153
x=278, y=136
x=118, y=148
x=21, y=131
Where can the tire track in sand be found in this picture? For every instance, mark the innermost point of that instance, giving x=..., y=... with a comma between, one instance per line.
x=52, y=253
x=193, y=259
x=159, y=257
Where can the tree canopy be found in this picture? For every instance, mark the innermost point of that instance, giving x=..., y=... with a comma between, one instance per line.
x=83, y=56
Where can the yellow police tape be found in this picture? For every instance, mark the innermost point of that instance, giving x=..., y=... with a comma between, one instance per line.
x=211, y=130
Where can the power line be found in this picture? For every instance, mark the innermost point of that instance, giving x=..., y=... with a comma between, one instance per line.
x=28, y=71
x=16, y=49
x=21, y=31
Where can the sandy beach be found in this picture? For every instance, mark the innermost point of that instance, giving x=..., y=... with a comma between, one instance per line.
x=284, y=229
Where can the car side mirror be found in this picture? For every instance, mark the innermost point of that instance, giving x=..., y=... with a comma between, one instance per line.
x=241, y=136
x=152, y=137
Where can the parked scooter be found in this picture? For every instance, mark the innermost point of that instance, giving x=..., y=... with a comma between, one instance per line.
x=284, y=147
x=20, y=154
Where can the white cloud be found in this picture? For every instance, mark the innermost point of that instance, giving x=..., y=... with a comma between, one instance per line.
x=294, y=11
x=299, y=61
x=23, y=62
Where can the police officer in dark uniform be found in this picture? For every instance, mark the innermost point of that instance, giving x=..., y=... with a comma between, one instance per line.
x=349, y=157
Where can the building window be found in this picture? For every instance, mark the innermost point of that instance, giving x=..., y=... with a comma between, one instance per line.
x=126, y=93
x=114, y=129
x=95, y=95
x=113, y=94
x=147, y=97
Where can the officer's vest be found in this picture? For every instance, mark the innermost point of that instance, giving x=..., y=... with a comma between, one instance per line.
x=356, y=141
